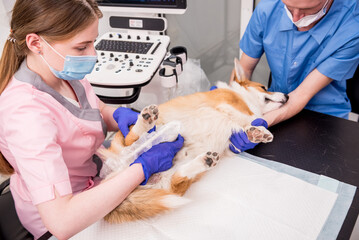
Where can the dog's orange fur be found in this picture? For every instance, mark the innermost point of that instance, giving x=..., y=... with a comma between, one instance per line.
x=179, y=185
x=131, y=138
x=140, y=204
x=144, y=203
x=147, y=202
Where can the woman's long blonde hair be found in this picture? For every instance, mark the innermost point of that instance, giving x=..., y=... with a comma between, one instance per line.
x=56, y=20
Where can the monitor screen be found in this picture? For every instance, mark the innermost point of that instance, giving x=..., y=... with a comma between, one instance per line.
x=170, y=4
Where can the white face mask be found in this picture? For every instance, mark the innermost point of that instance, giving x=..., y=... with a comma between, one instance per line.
x=309, y=19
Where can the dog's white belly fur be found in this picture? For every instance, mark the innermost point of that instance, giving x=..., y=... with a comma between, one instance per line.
x=204, y=129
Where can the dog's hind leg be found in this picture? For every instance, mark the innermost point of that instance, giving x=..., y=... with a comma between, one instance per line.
x=192, y=171
x=257, y=134
x=145, y=122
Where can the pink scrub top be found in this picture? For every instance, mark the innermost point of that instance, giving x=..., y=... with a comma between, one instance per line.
x=48, y=141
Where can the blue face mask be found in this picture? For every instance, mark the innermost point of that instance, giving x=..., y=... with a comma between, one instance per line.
x=75, y=67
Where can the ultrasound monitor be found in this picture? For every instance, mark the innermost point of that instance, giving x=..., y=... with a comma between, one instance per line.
x=131, y=48
x=144, y=6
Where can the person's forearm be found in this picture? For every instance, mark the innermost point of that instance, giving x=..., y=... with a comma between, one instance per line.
x=299, y=98
x=107, y=112
x=248, y=64
x=290, y=109
x=68, y=215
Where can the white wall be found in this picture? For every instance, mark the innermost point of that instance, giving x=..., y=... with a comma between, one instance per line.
x=5, y=8
x=210, y=31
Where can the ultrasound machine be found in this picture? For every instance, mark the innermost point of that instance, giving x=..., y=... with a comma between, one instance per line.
x=131, y=47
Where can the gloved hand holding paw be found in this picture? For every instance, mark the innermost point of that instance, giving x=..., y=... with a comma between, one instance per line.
x=159, y=157
x=240, y=141
x=125, y=117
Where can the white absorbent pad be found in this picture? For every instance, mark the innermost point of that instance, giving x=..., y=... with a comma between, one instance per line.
x=238, y=199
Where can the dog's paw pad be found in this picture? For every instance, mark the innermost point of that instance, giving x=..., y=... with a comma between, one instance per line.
x=268, y=137
x=150, y=114
x=259, y=134
x=211, y=159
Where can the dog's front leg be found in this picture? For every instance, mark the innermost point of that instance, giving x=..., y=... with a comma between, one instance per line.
x=145, y=122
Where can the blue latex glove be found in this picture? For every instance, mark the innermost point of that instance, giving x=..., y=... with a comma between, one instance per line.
x=213, y=88
x=159, y=157
x=125, y=117
x=240, y=139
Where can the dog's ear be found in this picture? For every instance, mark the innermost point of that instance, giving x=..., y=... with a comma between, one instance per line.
x=239, y=73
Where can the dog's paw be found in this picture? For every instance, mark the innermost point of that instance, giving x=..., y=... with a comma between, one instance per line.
x=200, y=164
x=150, y=114
x=211, y=159
x=257, y=134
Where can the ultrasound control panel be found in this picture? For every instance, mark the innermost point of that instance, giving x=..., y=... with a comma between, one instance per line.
x=127, y=59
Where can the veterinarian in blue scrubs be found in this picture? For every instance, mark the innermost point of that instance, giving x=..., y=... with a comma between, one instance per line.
x=312, y=48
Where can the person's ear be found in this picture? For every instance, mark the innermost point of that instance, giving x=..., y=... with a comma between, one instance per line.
x=33, y=43
x=239, y=75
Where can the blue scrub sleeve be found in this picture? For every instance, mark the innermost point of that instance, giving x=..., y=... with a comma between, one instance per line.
x=252, y=40
x=341, y=65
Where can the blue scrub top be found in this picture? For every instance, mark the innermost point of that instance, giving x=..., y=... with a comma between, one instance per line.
x=331, y=46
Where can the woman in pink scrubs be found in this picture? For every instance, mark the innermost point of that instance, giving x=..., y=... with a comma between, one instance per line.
x=51, y=122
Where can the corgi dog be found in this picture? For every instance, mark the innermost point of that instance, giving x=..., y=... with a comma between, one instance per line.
x=207, y=120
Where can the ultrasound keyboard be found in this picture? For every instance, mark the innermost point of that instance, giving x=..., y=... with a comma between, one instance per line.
x=124, y=46
x=127, y=60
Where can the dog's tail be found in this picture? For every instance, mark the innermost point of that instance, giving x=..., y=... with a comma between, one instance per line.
x=145, y=203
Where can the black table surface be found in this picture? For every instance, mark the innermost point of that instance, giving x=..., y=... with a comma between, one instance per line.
x=320, y=144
